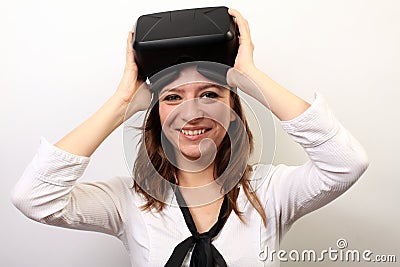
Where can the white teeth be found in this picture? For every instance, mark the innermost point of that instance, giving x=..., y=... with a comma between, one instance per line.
x=192, y=133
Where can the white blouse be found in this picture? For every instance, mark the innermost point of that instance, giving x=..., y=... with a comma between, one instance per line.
x=49, y=192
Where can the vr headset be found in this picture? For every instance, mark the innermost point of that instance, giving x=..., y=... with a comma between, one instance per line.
x=165, y=39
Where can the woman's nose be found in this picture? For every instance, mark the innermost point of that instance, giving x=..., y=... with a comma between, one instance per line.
x=191, y=109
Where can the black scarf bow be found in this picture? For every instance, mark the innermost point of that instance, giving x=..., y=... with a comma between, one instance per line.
x=204, y=253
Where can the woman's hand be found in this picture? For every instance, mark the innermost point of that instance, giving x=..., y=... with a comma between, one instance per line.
x=132, y=91
x=254, y=82
x=129, y=82
x=131, y=96
x=244, y=60
x=241, y=74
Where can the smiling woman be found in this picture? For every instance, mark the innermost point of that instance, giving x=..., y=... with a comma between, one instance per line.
x=195, y=111
x=203, y=133
x=192, y=168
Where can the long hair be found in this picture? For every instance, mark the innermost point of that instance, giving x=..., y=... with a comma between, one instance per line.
x=151, y=163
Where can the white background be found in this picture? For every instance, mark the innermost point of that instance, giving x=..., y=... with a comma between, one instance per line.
x=60, y=60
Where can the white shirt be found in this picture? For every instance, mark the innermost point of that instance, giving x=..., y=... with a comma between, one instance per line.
x=49, y=192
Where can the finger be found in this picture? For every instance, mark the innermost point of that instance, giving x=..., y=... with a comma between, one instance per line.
x=129, y=50
x=244, y=29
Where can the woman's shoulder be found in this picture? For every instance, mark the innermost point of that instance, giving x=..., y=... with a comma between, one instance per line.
x=264, y=176
x=260, y=175
x=119, y=188
x=263, y=171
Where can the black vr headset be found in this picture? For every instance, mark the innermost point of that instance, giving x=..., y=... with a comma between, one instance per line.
x=168, y=38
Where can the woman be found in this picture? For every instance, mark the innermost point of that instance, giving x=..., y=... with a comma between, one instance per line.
x=202, y=229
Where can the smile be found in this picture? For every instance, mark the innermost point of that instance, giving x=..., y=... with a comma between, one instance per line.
x=193, y=132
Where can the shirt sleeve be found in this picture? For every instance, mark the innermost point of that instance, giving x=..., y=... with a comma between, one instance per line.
x=336, y=161
x=48, y=192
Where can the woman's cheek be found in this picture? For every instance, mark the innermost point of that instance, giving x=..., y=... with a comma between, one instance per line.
x=220, y=112
x=164, y=111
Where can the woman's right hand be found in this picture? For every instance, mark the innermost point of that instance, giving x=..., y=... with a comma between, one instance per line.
x=129, y=82
x=131, y=96
x=132, y=91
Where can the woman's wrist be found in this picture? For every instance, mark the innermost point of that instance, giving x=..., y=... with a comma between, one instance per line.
x=249, y=71
x=86, y=138
x=115, y=108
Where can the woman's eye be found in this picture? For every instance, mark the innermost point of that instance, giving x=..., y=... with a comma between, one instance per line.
x=209, y=95
x=172, y=98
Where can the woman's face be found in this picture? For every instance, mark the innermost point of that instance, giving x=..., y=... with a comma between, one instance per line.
x=195, y=115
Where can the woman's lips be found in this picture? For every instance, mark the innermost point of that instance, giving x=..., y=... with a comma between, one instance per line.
x=194, y=134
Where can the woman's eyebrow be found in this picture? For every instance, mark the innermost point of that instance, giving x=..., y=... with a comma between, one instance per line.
x=217, y=86
x=201, y=88
x=166, y=90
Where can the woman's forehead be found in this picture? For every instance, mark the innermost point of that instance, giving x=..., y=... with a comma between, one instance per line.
x=186, y=76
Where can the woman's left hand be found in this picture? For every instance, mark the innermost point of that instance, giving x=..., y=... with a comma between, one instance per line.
x=244, y=60
x=254, y=82
x=244, y=71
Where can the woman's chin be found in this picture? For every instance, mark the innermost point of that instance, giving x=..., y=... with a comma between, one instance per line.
x=191, y=155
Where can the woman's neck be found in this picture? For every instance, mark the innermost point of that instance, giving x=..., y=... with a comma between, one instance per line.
x=196, y=178
x=199, y=188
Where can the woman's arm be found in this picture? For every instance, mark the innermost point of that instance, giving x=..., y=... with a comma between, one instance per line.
x=87, y=137
x=336, y=161
x=48, y=191
x=336, y=158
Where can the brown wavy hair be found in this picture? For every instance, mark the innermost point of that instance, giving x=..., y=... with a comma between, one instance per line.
x=155, y=190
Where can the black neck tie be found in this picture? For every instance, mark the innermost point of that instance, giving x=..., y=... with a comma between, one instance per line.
x=204, y=253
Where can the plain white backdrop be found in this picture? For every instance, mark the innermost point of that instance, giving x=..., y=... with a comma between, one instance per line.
x=60, y=60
